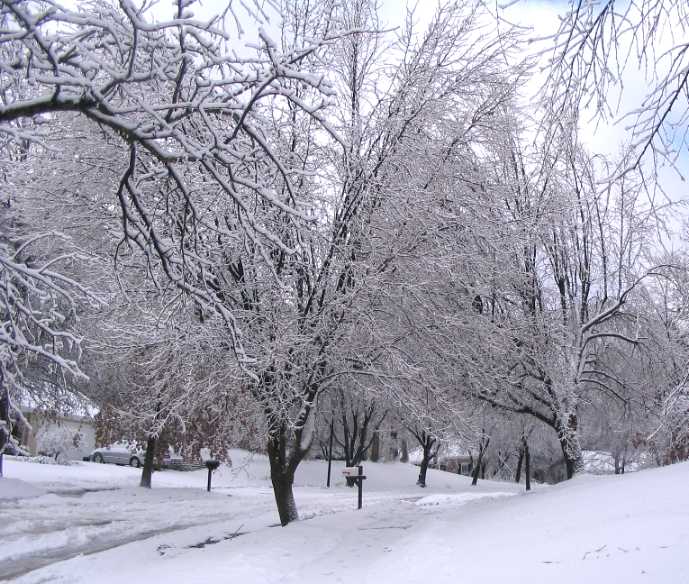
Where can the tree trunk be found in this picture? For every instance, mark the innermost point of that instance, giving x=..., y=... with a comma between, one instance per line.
x=5, y=422
x=527, y=465
x=349, y=481
x=284, y=496
x=427, y=442
x=480, y=467
x=422, y=471
x=330, y=453
x=405, y=451
x=520, y=460
x=349, y=462
x=348, y=443
x=282, y=478
x=147, y=471
x=571, y=449
x=477, y=470
x=375, y=447
x=362, y=454
x=570, y=466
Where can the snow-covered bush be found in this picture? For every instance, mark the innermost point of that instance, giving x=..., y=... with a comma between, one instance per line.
x=42, y=459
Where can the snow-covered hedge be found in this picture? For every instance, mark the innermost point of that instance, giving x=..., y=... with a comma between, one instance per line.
x=42, y=459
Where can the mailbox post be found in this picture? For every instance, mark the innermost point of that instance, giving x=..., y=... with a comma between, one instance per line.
x=211, y=465
x=356, y=474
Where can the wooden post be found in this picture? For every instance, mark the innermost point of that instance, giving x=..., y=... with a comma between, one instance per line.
x=357, y=476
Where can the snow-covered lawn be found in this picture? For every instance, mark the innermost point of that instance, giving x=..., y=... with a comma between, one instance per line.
x=90, y=523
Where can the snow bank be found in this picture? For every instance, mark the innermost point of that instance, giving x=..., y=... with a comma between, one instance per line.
x=628, y=528
x=91, y=508
x=602, y=529
x=17, y=489
x=456, y=499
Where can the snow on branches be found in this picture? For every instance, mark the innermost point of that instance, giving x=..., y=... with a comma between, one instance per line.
x=193, y=112
x=38, y=305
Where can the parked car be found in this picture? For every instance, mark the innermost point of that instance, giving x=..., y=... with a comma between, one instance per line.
x=119, y=453
x=172, y=460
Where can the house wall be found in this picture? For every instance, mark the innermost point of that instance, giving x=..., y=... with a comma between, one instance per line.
x=456, y=464
x=73, y=438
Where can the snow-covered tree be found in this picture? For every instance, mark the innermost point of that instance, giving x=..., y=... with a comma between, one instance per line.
x=597, y=55
x=38, y=308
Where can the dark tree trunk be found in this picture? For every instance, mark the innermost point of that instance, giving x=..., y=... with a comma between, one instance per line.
x=569, y=443
x=573, y=462
x=5, y=421
x=147, y=471
x=429, y=447
x=404, y=457
x=480, y=467
x=282, y=477
x=620, y=460
x=527, y=464
x=477, y=470
x=330, y=453
x=349, y=457
x=427, y=443
x=283, y=482
x=570, y=466
x=364, y=444
x=520, y=460
x=422, y=471
x=375, y=447
x=359, y=423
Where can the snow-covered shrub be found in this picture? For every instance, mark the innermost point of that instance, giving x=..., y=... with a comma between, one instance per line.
x=42, y=459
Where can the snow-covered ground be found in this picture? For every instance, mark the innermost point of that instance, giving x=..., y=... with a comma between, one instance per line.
x=91, y=523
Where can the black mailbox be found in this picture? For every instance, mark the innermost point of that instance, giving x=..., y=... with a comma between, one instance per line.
x=211, y=465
